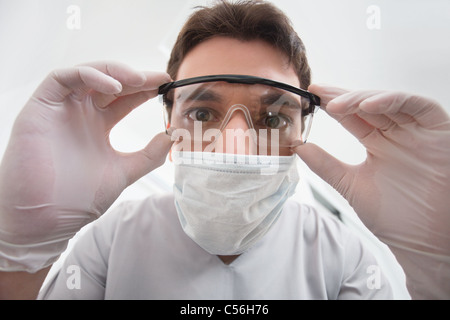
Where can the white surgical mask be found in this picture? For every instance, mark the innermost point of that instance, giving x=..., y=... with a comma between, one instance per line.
x=226, y=203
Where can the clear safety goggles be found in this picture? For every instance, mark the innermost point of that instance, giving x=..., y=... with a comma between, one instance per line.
x=270, y=114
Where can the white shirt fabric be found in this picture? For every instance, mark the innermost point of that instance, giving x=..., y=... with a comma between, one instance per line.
x=139, y=251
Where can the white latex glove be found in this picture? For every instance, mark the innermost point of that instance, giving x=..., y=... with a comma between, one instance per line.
x=59, y=171
x=402, y=191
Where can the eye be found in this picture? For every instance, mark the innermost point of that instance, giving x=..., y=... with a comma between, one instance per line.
x=202, y=115
x=274, y=121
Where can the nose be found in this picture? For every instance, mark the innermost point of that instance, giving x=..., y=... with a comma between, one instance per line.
x=238, y=134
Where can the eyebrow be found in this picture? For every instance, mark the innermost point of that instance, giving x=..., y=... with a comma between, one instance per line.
x=201, y=94
x=272, y=98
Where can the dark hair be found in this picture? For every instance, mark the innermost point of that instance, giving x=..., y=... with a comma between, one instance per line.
x=243, y=20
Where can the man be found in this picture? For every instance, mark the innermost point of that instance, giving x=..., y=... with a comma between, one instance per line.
x=59, y=173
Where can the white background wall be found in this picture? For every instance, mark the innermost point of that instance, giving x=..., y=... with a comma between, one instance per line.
x=408, y=50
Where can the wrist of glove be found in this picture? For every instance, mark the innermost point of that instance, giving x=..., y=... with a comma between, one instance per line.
x=30, y=248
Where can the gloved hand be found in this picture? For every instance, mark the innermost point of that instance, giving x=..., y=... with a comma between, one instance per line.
x=402, y=190
x=59, y=171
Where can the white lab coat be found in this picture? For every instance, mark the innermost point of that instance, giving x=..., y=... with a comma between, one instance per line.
x=139, y=251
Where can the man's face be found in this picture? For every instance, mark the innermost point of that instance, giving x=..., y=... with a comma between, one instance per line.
x=222, y=55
